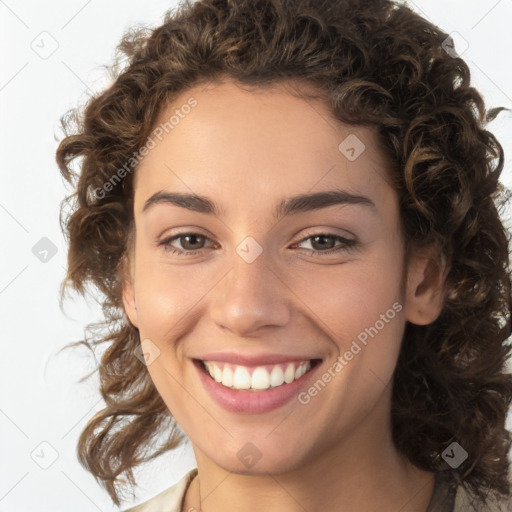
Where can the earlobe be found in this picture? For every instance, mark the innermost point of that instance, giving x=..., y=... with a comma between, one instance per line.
x=425, y=289
x=128, y=296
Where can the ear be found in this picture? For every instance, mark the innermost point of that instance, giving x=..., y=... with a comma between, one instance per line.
x=426, y=276
x=127, y=277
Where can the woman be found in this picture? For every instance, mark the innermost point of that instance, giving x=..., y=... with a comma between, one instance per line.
x=291, y=209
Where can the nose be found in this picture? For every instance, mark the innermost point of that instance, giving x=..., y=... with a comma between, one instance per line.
x=251, y=297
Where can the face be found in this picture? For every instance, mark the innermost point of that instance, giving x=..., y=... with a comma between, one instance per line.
x=234, y=279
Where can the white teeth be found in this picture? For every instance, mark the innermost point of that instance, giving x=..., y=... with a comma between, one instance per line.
x=241, y=378
x=261, y=379
x=217, y=374
x=227, y=376
x=300, y=371
x=276, y=376
x=289, y=374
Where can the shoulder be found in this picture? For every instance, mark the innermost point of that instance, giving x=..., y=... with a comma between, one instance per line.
x=451, y=496
x=464, y=502
x=168, y=500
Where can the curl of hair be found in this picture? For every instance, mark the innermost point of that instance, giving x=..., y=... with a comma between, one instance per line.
x=375, y=62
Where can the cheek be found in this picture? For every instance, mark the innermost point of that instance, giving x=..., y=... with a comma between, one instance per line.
x=352, y=297
x=359, y=307
x=168, y=296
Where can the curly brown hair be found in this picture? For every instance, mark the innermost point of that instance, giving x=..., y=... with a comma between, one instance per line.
x=375, y=62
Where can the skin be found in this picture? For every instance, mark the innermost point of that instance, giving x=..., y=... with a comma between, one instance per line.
x=247, y=150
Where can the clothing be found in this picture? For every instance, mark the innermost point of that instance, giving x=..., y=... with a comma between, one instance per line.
x=447, y=497
x=170, y=500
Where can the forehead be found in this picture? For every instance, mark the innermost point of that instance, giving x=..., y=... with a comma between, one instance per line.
x=246, y=145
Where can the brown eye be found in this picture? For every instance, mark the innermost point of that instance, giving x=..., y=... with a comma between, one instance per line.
x=190, y=243
x=319, y=242
x=325, y=243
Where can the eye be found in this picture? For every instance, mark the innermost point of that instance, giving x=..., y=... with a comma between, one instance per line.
x=321, y=244
x=321, y=247
x=193, y=244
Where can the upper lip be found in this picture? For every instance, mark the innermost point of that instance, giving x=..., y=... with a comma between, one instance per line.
x=252, y=359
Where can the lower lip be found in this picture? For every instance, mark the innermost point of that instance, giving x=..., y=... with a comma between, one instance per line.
x=254, y=402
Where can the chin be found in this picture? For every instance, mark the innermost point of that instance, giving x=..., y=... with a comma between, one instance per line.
x=275, y=464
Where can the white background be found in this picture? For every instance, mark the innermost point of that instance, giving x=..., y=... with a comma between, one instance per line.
x=41, y=400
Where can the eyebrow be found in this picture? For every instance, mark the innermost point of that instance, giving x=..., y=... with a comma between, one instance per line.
x=292, y=205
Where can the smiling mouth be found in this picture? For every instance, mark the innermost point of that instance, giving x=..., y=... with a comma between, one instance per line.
x=256, y=378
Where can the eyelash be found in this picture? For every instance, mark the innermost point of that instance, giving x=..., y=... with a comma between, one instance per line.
x=346, y=245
